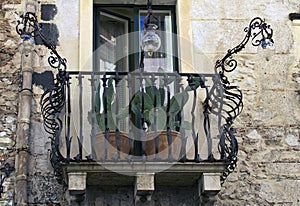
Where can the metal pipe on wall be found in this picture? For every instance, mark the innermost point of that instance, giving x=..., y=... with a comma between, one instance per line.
x=26, y=46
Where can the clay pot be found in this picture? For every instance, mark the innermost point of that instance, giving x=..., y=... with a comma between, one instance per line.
x=163, y=146
x=112, y=151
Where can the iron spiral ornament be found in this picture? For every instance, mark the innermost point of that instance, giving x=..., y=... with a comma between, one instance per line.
x=53, y=101
x=226, y=100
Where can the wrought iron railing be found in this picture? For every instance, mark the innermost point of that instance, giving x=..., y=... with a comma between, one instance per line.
x=141, y=116
x=90, y=106
x=140, y=107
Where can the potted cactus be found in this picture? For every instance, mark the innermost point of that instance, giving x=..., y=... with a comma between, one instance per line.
x=160, y=118
x=110, y=142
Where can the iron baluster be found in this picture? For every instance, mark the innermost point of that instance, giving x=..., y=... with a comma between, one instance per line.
x=169, y=135
x=154, y=127
x=193, y=86
x=107, y=136
x=130, y=132
x=68, y=120
x=142, y=65
x=182, y=157
x=80, y=138
x=117, y=136
x=143, y=122
x=206, y=125
x=94, y=110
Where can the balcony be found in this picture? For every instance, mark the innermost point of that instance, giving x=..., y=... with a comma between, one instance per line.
x=138, y=116
x=120, y=125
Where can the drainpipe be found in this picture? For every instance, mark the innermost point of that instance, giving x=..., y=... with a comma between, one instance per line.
x=23, y=133
x=26, y=46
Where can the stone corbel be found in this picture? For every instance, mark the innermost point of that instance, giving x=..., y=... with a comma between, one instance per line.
x=209, y=185
x=144, y=188
x=77, y=187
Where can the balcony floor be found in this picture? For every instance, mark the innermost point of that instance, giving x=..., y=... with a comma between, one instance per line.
x=124, y=173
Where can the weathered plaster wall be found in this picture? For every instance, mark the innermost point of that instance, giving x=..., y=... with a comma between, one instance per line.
x=268, y=130
x=43, y=186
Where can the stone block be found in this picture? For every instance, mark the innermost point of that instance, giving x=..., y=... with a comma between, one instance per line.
x=288, y=156
x=273, y=108
x=229, y=33
x=218, y=9
x=292, y=141
x=144, y=183
x=273, y=74
x=219, y=36
x=44, y=189
x=254, y=135
x=210, y=183
x=292, y=138
x=273, y=136
x=208, y=187
x=280, y=191
x=283, y=169
x=144, y=187
x=3, y=134
x=293, y=101
x=77, y=183
x=204, y=63
x=31, y=7
x=5, y=140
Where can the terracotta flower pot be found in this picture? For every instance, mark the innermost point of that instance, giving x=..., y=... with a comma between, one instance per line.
x=163, y=146
x=112, y=151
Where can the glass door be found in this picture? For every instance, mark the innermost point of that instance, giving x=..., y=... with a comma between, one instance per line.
x=111, y=42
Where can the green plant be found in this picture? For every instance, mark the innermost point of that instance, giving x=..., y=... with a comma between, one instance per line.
x=156, y=108
x=98, y=112
x=155, y=114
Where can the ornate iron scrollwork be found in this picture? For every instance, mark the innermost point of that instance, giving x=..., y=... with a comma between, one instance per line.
x=225, y=100
x=53, y=101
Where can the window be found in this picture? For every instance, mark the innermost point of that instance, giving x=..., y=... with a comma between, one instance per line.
x=117, y=36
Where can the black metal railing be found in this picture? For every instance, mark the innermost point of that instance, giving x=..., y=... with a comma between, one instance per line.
x=140, y=107
x=139, y=116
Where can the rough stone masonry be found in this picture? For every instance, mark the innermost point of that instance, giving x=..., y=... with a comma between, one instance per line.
x=268, y=130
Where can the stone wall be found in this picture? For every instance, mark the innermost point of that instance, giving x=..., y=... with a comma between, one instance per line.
x=43, y=188
x=121, y=195
x=268, y=130
x=10, y=81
